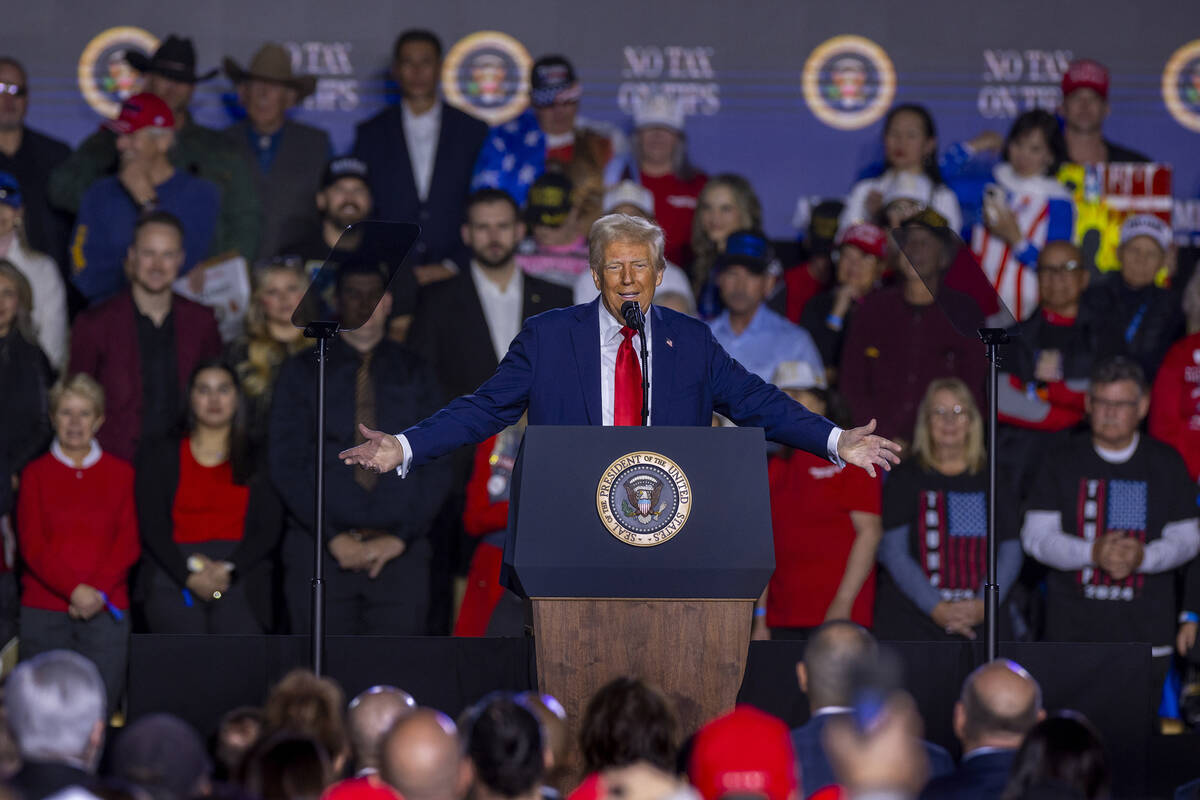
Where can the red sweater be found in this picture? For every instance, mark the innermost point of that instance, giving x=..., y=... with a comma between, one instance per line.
x=76, y=526
x=1175, y=401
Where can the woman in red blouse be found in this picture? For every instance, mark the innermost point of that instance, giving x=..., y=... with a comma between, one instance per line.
x=207, y=524
x=77, y=533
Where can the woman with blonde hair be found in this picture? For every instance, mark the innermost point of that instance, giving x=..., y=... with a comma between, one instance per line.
x=727, y=203
x=934, y=548
x=78, y=537
x=48, y=293
x=269, y=339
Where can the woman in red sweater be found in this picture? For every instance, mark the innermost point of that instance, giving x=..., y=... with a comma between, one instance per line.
x=77, y=533
x=208, y=524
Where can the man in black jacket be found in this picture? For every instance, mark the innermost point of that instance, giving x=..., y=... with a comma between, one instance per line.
x=55, y=706
x=421, y=153
x=999, y=703
x=463, y=327
x=377, y=578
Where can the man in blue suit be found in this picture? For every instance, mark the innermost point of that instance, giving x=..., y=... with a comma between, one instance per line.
x=578, y=366
x=831, y=656
x=1000, y=702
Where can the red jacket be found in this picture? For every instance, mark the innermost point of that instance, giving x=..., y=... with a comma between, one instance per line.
x=104, y=345
x=76, y=526
x=1175, y=401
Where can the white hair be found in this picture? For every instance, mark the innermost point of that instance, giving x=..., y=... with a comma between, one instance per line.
x=624, y=228
x=54, y=701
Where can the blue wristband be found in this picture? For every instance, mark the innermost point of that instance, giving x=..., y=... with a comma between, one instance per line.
x=833, y=322
x=761, y=611
x=1189, y=616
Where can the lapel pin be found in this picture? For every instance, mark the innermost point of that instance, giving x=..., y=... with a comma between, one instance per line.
x=670, y=343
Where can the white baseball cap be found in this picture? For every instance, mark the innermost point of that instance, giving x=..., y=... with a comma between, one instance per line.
x=1147, y=225
x=797, y=375
x=629, y=193
x=659, y=110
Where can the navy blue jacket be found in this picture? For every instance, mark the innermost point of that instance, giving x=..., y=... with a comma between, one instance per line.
x=980, y=777
x=552, y=369
x=381, y=144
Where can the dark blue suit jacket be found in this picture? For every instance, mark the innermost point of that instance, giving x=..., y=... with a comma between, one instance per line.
x=982, y=777
x=380, y=142
x=552, y=369
x=815, y=770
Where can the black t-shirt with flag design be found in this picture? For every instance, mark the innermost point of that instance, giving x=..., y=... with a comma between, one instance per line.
x=1140, y=497
x=946, y=517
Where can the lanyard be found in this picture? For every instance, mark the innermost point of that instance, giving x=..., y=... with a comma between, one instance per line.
x=1135, y=323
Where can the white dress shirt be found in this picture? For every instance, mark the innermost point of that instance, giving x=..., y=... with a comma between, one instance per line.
x=421, y=135
x=501, y=307
x=610, y=342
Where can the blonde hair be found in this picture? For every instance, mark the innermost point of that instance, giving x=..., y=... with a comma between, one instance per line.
x=922, y=445
x=24, y=318
x=264, y=353
x=705, y=249
x=613, y=228
x=81, y=385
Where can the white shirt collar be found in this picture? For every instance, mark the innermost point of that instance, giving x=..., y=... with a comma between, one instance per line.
x=610, y=328
x=1118, y=456
x=89, y=460
x=516, y=284
x=430, y=117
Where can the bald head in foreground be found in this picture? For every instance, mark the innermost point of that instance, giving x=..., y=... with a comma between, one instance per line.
x=999, y=704
x=423, y=758
x=370, y=717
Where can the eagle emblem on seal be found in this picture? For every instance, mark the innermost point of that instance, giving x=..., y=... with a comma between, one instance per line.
x=643, y=495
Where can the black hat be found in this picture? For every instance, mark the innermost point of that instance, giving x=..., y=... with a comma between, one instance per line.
x=162, y=754
x=823, y=226
x=552, y=80
x=175, y=58
x=549, y=200
x=748, y=248
x=346, y=167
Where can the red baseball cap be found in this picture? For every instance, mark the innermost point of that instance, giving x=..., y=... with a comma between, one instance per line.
x=866, y=237
x=1085, y=74
x=746, y=752
x=143, y=110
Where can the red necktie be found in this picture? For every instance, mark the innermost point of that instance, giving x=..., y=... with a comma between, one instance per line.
x=627, y=394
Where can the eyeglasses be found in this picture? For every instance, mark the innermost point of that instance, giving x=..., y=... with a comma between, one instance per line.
x=1118, y=405
x=953, y=412
x=1058, y=269
x=14, y=89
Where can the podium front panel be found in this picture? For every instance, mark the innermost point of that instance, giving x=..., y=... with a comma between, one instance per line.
x=561, y=547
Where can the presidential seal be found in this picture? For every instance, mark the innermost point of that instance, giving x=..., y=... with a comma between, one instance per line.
x=105, y=77
x=849, y=82
x=1181, y=85
x=486, y=75
x=644, y=499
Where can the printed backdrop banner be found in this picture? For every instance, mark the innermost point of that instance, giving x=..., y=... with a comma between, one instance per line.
x=790, y=94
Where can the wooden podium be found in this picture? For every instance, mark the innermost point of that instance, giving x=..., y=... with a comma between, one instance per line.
x=665, y=595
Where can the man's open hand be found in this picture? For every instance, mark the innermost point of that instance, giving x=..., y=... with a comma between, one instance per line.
x=381, y=452
x=862, y=448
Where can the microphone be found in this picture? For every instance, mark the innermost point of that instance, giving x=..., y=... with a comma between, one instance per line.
x=632, y=312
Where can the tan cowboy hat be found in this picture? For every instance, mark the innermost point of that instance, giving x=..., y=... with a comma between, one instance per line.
x=271, y=63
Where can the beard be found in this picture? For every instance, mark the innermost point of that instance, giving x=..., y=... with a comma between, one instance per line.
x=347, y=214
x=504, y=255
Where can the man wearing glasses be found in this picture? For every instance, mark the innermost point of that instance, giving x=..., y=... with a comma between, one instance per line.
x=1048, y=363
x=1113, y=515
x=29, y=156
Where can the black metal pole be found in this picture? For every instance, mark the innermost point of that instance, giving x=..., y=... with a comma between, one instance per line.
x=991, y=589
x=645, y=379
x=317, y=625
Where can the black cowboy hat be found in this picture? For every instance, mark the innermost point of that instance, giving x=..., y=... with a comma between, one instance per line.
x=175, y=58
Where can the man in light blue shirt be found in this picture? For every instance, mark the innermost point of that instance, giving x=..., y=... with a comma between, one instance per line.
x=749, y=331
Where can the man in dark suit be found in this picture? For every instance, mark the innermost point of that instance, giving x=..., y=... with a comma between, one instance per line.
x=463, y=327
x=286, y=158
x=143, y=343
x=999, y=703
x=55, y=704
x=421, y=153
x=830, y=658
x=578, y=366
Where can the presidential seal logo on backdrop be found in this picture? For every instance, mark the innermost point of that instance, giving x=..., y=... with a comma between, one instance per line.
x=486, y=75
x=1181, y=85
x=644, y=498
x=105, y=77
x=849, y=82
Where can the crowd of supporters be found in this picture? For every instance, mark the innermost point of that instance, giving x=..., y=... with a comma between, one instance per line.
x=158, y=467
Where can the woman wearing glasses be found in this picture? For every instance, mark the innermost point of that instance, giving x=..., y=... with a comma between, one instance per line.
x=934, y=546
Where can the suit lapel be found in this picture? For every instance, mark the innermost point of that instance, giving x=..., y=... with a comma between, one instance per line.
x=475, y=329
x=586, y=337
x=662, y=370
x=442, y=150
x=401, y=154
x=532, y=302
